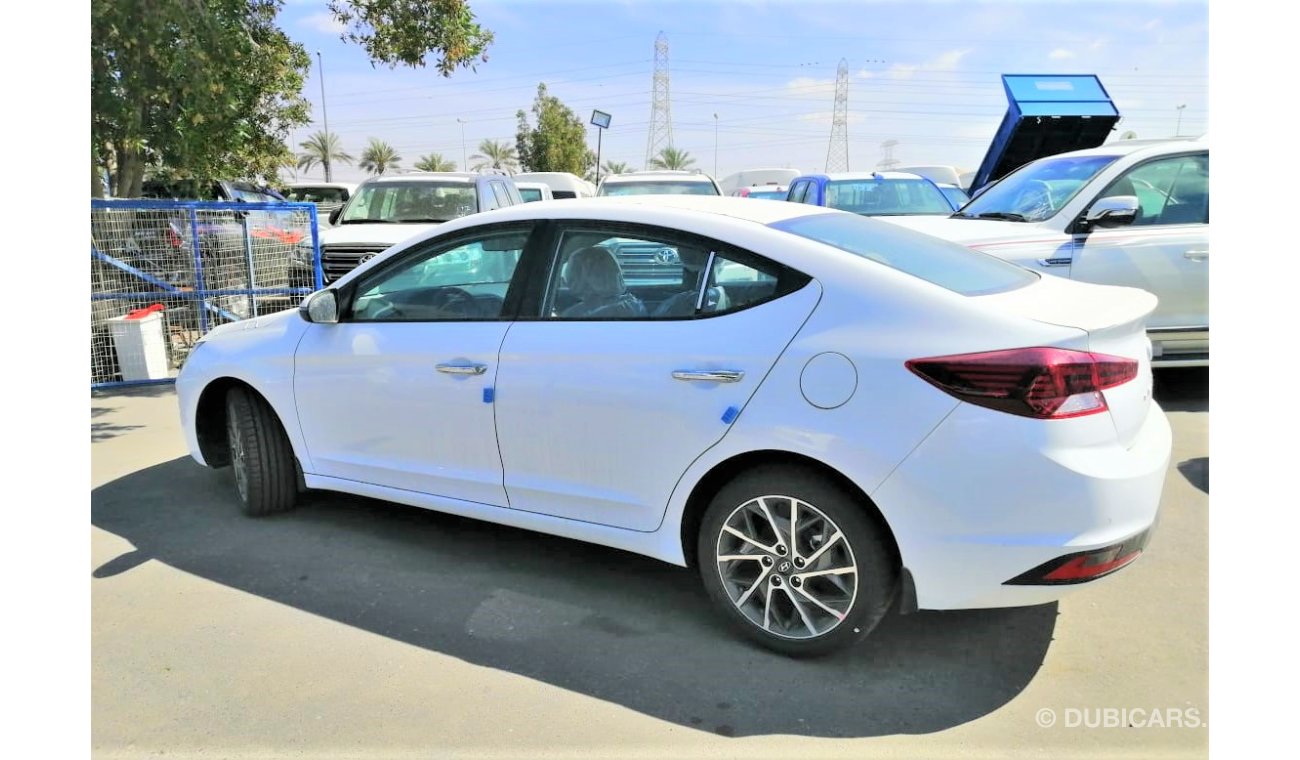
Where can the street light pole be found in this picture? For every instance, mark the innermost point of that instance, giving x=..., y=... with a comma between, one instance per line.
x=1178, y=130
x=464, y=162
x=324, y=115
x=715, y=146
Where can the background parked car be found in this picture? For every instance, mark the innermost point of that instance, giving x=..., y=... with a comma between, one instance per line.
x=872, y=194
x=1132, y=212
x=562, y=184
x=391, y=208
x=658, y=183
x=772, y=192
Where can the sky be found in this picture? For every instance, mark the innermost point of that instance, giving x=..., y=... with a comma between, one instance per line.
x=923, y=74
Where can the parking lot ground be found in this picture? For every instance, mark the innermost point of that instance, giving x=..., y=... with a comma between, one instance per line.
x=352, y=628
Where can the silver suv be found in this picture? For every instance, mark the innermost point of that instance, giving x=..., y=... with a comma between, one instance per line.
x=391, y=208
x=1132, y=212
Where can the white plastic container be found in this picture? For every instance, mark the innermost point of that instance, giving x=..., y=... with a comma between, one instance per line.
x=141, y=351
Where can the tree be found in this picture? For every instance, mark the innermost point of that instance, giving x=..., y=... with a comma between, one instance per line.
x=557, y=142
x=404, y=32
x=671, y=158
x=495, y=155
x=192, y=89
x=434, y=162
x=321, y=149
x=379, y=157
x=615, y=167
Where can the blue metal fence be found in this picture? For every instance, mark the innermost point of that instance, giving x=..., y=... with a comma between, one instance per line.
x=164, y=273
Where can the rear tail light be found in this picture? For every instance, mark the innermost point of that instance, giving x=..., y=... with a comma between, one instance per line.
x=1081, y=567
x=1043, y=383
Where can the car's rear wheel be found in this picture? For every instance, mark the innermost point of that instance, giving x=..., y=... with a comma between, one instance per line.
x=795, y=561
x=260, y=455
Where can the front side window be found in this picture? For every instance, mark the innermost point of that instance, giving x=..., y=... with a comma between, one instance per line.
x=467, y=279
x=1038, y=190
x=408, y=202
x=1174, y=190
x=611, y=274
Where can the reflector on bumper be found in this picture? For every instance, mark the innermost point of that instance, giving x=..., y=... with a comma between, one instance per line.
x=1081, y=567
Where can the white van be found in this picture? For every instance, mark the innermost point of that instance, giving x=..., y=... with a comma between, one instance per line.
x=535, y=191
x=562, y=184
x=751, y=177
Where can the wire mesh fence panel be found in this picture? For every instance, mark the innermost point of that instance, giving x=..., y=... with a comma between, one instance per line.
x=164, y=273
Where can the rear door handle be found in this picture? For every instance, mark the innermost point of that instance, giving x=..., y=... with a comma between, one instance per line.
x=462, y=369
x=1197, y=254
x=710, y=375
x=1060, y=262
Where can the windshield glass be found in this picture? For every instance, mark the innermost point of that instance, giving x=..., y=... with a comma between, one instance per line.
x=945, y=264
x=1036, y=191
x=659, y=188
x=772, y=195
x=886, y=197
x=398, y=202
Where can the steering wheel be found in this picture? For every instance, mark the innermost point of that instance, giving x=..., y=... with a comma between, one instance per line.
x=452, y=301
x=1035, y=200
x=385, y=309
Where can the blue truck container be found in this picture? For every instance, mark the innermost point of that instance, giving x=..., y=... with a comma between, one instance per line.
x=1047, y=114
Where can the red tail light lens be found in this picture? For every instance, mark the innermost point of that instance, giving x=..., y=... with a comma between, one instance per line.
x=1043, y=383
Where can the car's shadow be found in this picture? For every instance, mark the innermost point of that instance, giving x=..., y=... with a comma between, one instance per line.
x=612, y=625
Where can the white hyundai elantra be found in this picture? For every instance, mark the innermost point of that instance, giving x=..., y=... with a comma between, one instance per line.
x=827, y=414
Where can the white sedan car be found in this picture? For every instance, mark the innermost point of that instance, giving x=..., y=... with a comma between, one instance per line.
x=827, y=414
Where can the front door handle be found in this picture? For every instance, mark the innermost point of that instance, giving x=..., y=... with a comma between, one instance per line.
x=710, y=375
x=1197, y=254
x=463, y=369
x=1058, y=262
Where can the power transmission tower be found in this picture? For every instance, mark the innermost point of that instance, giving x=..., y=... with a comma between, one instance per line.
x=837, y=155
x=888, y=162
x=661, y=118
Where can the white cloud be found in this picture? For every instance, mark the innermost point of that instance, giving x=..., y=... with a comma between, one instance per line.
x=808, y=87
x=827, y=117
x=948, y=61
x=1060, y=54
x=1098, y=44
x=322, y=22
x=1152, y=24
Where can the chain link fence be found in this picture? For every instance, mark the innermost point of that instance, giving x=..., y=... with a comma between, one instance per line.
x=164, y=273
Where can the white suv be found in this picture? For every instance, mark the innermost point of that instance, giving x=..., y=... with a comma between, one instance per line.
x=658, y=183
x=1133, y=213
x=389, y=209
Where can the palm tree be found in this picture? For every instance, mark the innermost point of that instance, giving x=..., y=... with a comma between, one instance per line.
x=671, y=158
x=379, y=157
x=495, y=155
x=434, y=162
x=321, y=148
x=615, y=167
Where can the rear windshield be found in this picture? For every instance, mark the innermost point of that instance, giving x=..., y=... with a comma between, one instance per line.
x=945, y=264
x=659, y=188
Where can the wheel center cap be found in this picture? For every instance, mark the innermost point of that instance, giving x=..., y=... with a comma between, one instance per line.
x=784, y=567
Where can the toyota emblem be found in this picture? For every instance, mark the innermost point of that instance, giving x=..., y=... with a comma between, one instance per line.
x=366, y=257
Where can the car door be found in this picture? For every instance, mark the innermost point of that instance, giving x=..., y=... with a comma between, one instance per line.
x=605, y=397
x=1165, y=250
x=399, y=392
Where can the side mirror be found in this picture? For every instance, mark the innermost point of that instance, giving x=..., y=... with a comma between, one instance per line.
x=321, y=307
x=1115, y=211
x=335, y=214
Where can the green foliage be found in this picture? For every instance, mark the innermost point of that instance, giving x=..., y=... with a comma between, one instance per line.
x=379, y=157
x=495, y=155
x=404, y=32
x=614, y=167
x=434, y=162
x=558, y=142
x=672, y=158
x=193, y=88
x=321, y=149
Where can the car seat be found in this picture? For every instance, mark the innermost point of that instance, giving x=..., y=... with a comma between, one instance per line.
x=595, y=277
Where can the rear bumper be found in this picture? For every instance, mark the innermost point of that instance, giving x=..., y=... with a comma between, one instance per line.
x=989, y=498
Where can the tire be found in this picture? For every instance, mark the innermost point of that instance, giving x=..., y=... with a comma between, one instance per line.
x=266, y=477
x=774, y=584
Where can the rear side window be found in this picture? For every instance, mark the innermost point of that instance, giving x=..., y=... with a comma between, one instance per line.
x=945, y=264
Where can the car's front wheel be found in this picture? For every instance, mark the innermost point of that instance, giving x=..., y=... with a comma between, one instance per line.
x=265, y=475
x=795, y=561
